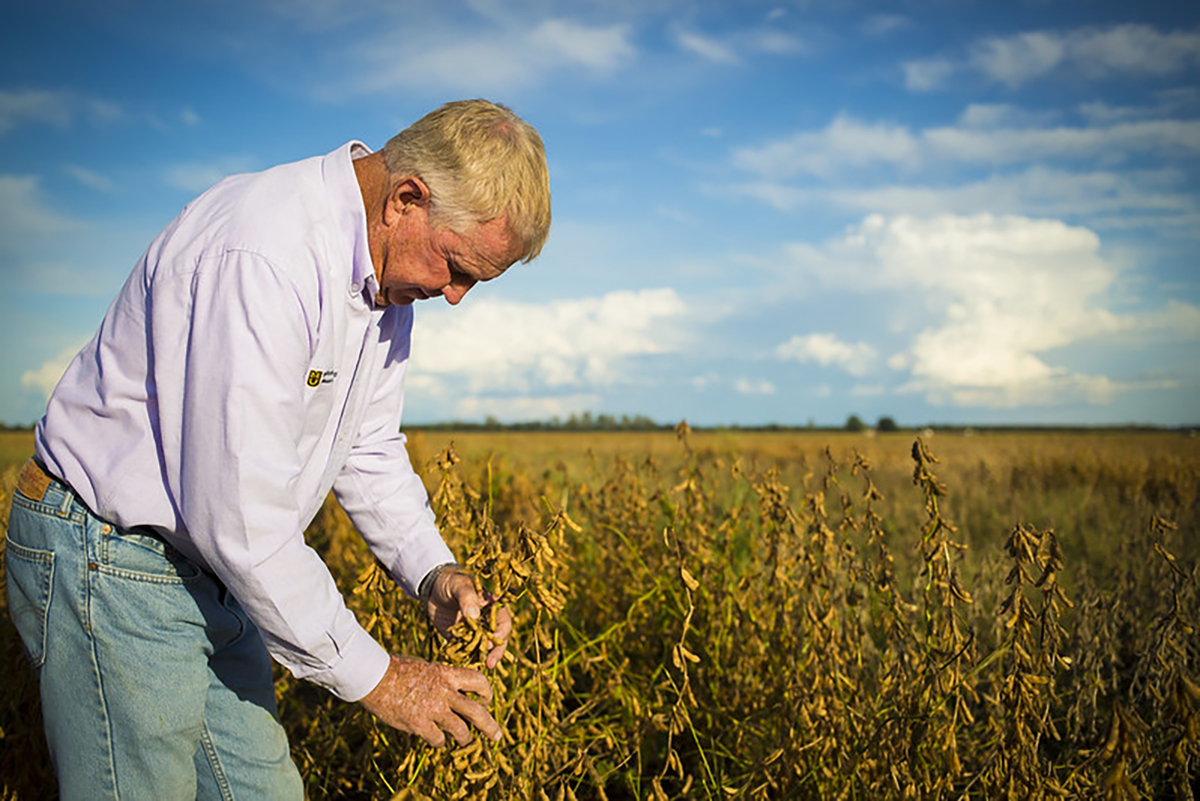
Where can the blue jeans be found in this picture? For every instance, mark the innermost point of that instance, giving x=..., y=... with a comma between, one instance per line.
x=154, y=683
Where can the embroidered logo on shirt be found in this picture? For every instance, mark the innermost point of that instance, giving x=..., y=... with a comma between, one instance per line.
x=318, y=377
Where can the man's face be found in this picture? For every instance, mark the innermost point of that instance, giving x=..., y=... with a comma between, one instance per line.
x=419, y=261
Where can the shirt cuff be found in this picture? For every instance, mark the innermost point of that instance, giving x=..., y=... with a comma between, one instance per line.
x=360, y=669
x=417, y=560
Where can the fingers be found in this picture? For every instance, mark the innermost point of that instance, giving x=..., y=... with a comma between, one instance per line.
x=432, y=735
x=432, y=700
x=455, y=597
x=504, y=625
x=461, y=587
x=457, y=728
x=465, y=680
x=478, y=717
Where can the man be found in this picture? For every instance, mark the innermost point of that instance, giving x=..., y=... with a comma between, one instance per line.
x=254, y=361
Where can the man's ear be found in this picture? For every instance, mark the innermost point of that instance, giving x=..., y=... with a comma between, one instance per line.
x=406, y=192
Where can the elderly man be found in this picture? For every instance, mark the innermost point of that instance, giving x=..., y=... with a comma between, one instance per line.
x=254, y=361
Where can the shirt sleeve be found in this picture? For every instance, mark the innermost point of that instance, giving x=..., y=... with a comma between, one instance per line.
x=244, y=350
x=378, y=487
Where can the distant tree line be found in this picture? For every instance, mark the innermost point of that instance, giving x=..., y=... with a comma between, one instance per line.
x=588, y=421
x=855, y=423
x=585, y=421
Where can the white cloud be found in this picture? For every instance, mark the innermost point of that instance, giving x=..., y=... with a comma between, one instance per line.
x=999, y=295
x=749, y=386
x=1133, y=49
x=90, y=178
x=504, y=346
x=925, y=75
x=34, y=105
x=522, y=408
x=1015, y=145
x=1002, y=115
x=847, y=143
x=706, y=48
x=1145, y=198
x=195, y=177
x=1091, y=52
x=486, y=61
x=25, y=213
x=1014, y=60
x=45, y=378
x=777, y=43
x=882, y=24
x=826, y=349
x=601, y=48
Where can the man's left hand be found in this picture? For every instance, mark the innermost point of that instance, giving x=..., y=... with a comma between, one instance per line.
x=454, y=597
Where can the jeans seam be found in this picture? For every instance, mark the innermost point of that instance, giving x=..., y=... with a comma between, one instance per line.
x=101, y=698
x=214, y=762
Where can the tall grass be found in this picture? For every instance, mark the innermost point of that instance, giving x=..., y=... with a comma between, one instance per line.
x=742, y=617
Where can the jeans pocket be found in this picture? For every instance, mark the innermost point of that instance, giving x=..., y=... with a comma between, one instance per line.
x=139, y=555
x=30, y=578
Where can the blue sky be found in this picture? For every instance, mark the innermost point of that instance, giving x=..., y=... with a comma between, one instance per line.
x=937, y=210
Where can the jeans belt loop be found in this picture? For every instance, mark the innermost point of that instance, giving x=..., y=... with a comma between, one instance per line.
x=68, y=497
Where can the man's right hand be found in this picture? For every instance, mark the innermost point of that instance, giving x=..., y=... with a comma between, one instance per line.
x=431, y=701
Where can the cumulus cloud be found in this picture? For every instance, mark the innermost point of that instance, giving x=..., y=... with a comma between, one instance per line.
x=1000, y=293
x=827, y=350
x=495, y=346
x=45, y=378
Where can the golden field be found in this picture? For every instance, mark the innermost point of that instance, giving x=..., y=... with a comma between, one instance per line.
x=779, y=615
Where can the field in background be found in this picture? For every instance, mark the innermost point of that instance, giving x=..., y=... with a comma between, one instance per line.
x=779, y=615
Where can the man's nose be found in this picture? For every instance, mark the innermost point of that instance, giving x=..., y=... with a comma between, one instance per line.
x=453, y=293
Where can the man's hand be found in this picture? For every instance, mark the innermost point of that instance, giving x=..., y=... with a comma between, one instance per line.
x=454, y=596
x=430, y=701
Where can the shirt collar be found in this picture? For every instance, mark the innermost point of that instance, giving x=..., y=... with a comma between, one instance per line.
x=348, y=198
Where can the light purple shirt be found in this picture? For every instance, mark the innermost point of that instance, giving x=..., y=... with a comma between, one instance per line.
x=242, y=372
